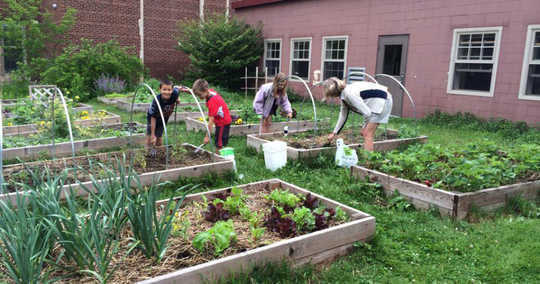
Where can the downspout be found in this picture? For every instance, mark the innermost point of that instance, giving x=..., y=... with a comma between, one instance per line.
x=227, y=10
x=141, y=32
x=201, y=10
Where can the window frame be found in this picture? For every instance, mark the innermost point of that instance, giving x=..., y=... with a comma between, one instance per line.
x=293, y=40
x=527, y=61
x=495, y=60
x=280, y=51
x=323, y=54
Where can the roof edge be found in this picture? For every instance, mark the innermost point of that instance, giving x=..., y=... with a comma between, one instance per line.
x=252, y=3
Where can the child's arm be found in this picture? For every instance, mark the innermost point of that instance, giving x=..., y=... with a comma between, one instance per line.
x=210, y=128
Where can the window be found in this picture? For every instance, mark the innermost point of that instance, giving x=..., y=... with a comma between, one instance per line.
x=473, y=63
x=530, y=74
x=300, y=57
x=272, y=56
x=334, y=57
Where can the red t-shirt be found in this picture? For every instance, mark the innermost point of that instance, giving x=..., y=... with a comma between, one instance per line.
x=217, y=108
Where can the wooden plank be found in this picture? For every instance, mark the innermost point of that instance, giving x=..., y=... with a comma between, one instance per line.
x=220, y=166
x=256, y=141
x=65, y=147
x=313, y=247
x=237, y=130
x=409, y=189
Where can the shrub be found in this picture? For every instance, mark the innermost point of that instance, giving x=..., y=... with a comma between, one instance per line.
x=79, y=66
x=220, y=49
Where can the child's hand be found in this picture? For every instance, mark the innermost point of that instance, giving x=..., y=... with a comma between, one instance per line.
x=206, y=139
x=183, y=89
x=153, y=140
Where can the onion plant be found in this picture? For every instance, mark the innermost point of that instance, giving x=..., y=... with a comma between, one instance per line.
x=25, y=242
x=150, y=230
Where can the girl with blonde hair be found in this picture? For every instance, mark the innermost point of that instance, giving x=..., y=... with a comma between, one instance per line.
x=371, y=100
x=269, y=97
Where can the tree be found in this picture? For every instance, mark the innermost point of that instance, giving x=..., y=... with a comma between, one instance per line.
x=33, y=34
x=219, y=49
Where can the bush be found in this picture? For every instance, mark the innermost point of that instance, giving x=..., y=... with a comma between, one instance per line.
x=79, y=66
x=219, y=49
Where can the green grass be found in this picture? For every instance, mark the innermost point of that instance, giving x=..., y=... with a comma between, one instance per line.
x=409, y=245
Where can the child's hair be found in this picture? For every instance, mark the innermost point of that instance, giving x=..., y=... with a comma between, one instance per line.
x=278, y=78
x=166, y=82
x=200, y=86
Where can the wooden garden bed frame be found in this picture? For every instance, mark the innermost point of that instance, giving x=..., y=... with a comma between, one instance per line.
x=245, y=129
x=219, y=165
x=125, y=104
x=321, y=246
x=454, y=204
x=27, y=129
x=256, y=141
x=64, y=148
x=81, y=107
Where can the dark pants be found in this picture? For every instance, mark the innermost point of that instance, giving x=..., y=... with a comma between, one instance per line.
x=221, y=137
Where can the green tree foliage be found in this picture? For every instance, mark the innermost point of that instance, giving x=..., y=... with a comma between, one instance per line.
x=78, y=67
x=32, y=35
x=219, y=49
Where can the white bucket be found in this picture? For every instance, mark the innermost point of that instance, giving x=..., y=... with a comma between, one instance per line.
x=275, y=155
x=228, y=153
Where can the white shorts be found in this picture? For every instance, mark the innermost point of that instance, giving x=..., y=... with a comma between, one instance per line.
x=384, y=115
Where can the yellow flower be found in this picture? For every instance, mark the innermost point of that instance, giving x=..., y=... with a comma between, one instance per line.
x=85, y=117
x=201, y=119
x=9, y=124
x=84, y=113
x=238, y=121
x=42, y=123
x=77, y=98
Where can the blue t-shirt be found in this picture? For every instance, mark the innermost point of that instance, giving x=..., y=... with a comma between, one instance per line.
x=166, y=106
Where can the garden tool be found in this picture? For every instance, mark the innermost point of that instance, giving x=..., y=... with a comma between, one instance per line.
x=199, y=147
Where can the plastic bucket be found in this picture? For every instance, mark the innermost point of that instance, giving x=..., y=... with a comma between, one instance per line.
x=275, y=155
x=228, y=153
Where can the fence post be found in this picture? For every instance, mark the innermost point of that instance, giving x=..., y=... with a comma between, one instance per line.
x=245, y=83
x=256, y=78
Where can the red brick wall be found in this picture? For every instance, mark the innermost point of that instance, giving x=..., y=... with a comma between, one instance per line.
x=102, y=20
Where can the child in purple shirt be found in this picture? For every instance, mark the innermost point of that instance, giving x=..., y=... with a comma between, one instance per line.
x=269, y=97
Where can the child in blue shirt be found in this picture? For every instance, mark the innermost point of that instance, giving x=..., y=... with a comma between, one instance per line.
x=168, y=98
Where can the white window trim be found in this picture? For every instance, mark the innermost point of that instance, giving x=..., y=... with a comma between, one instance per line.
x=280, y=50
x=323, y=50
x=527, y=54
x=453, y=59
x=292, y=53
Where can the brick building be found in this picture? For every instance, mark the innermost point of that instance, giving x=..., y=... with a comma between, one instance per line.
x=479, y=56
x=102, y=20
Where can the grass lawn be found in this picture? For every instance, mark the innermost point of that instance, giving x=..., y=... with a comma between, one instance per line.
x=409, y=246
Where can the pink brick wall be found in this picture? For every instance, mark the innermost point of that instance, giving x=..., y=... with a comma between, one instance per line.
x=430, y=25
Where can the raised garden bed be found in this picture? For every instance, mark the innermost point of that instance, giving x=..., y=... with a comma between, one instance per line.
x=183, y=162
x=306, y=144
x=125, y=104
x=78, y=107
x=244, y=129
x=84, y=119
x=115, y=135
x=328, y=230
x=456, y=182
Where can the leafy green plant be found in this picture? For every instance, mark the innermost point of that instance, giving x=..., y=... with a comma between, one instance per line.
x=283, y=198
x=341, y=215
x=256, y=233
x=221, y=235
x=150, y=228
x=304, y=219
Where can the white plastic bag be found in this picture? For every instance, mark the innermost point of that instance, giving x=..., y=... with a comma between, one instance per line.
x=345, y=156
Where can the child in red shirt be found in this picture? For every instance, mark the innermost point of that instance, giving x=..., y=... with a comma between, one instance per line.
x=218, y=113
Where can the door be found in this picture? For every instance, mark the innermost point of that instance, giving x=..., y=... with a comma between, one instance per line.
x=392, y=60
